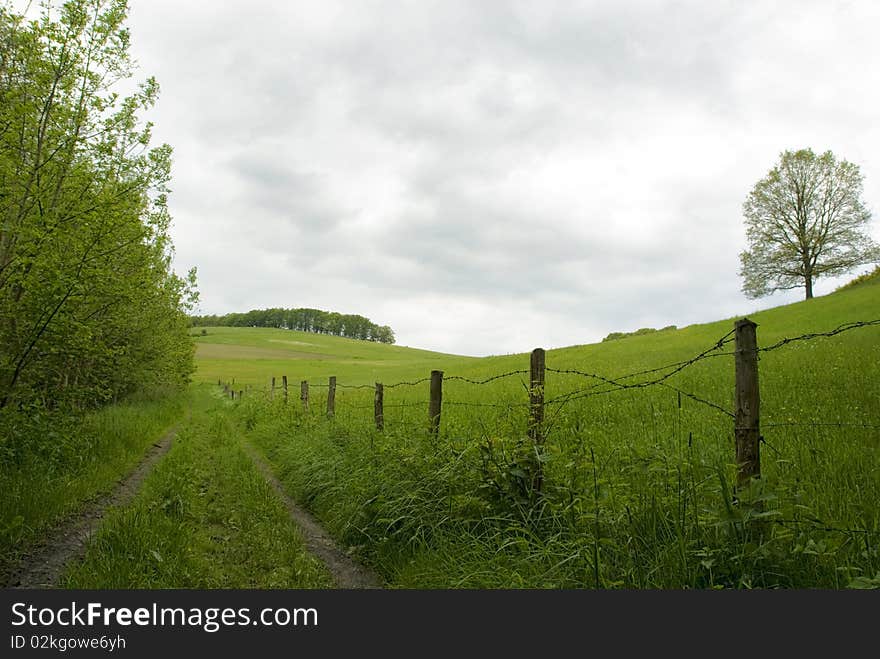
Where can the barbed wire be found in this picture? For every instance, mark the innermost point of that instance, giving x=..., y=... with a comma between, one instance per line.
x=506, y=406
x=821, y=526
x=618, y=383
x=676, y=366
x=487, y=380
x=700, y=400
x=406, y=384
x=814, y=335
x=769, y=445
x=819, y=424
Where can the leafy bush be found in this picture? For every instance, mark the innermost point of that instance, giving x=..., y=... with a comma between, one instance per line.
x=639, y=332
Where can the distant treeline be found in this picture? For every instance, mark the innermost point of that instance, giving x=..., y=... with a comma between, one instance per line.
x=645, y=330
x=351, y=326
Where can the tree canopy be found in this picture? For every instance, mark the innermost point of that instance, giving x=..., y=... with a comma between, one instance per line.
x=304, y=320
x=805, y=219
x=90, y=307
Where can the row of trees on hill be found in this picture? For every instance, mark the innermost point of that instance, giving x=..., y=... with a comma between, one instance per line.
x=90, y=308
x=305, y=320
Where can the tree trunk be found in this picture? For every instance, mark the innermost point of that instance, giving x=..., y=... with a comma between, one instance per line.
x=808, y=283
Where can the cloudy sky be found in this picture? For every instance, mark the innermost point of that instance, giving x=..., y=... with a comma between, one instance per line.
x=489, y=177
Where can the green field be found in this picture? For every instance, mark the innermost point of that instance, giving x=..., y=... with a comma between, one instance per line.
x=254, y=355
x=637, y=489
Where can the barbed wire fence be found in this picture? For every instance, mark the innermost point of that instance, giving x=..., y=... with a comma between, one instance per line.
x=745, y=416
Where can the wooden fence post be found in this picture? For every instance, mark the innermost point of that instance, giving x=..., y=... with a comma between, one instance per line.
x=536, y=395
x=331, y=396
x=240, y=394
x=536, y=412
x=746, y=426
x=435, y=404
x=232, y=393
x=272, y=394
x=304, y=394
x=284, y=385
x=378, y=407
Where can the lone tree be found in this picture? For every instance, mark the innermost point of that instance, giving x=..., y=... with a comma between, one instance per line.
x=805, y=219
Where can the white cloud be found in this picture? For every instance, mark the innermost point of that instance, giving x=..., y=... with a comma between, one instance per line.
x=490, y=177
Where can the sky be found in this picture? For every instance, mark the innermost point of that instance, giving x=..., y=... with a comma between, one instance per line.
x=490, y=177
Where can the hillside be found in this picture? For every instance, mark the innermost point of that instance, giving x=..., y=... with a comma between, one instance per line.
x=254, y=355
x=636, y=463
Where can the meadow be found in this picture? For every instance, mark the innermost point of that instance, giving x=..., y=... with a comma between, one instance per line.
x=637, y=483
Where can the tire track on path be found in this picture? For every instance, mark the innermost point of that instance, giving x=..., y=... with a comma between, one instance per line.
x=42, y=566
x=347, y=573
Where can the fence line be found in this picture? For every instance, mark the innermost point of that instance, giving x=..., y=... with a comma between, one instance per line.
x=814, y=335
x=408, y=384
x=747, y=399
x=822, y=424
x=820, y=525
x=487, y=380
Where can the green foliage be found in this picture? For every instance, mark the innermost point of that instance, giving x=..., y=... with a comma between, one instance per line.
x=870, y=277
x=51, y=462
x=805, y=219
x=613, y=336
x=90, y=309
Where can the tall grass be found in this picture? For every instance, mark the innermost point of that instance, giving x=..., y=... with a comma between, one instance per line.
x=637, y=483
x=52, y=463
x=206, y=518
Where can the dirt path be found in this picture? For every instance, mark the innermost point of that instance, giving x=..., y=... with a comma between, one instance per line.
x=346, y=572
x=42, y=566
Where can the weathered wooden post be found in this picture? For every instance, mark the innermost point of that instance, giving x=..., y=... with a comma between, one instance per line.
x=536, y=412
x=331, y=396
x=436, y=401
x=240, y=393
x=232, y=393
x=746, y=426
x=304, y=394
x=284, y=385
x=272, y=393
x=378, y=407
x=536, y=395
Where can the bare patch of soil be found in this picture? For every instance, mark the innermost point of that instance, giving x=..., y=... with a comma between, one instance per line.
x=347, y=573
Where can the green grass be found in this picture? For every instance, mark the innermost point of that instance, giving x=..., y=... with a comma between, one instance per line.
x=637, y=489
x=206, y=518
x=53, y=464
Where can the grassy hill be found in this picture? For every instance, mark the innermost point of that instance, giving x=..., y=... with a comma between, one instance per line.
x=637, y=488
x=254, y=355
